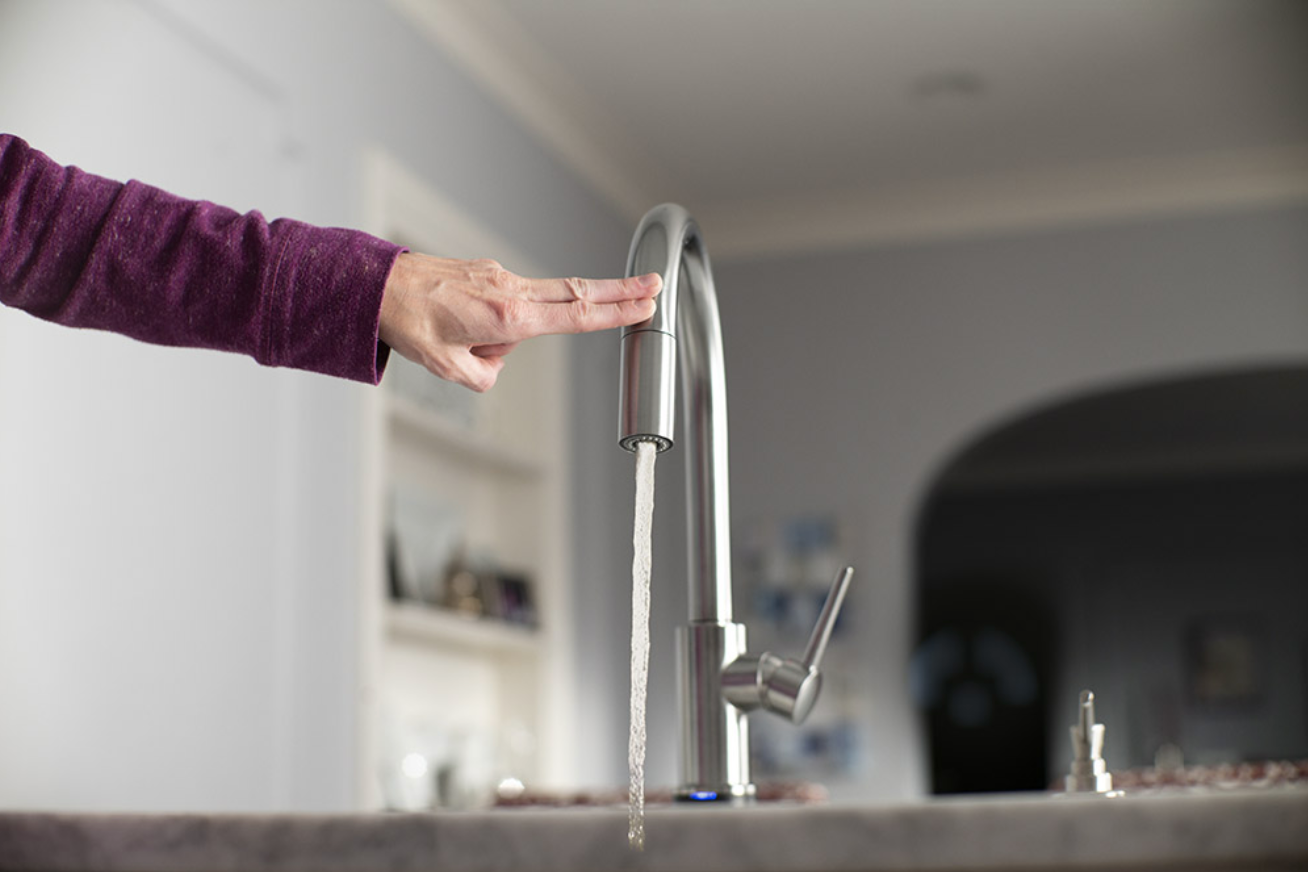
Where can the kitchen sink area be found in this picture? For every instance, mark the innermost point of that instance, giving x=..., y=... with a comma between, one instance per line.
x=1009, y=300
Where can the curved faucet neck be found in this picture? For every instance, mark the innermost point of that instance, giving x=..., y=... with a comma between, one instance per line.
x=684, y=333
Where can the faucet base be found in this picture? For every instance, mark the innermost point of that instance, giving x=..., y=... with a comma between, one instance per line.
x=732, y=794
x=714, y=733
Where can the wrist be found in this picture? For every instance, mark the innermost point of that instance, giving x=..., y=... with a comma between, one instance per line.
x=394, y=292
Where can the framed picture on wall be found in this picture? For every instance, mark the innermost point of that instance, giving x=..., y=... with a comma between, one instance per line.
x=1224, y=662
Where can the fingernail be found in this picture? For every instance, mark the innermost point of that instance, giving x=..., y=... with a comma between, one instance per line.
x=649, y=281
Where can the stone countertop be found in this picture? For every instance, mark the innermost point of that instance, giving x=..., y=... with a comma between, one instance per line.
x=1215, y=830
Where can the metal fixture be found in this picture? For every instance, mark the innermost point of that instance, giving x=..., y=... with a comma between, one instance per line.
x=717, y=682
x=1089, y=773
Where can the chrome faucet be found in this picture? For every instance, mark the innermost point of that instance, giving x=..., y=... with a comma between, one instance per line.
x=718, y=683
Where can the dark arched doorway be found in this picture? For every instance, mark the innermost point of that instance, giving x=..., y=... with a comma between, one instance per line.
x=1149, y=542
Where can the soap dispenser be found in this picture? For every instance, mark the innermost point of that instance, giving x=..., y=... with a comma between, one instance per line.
x=1089, y=773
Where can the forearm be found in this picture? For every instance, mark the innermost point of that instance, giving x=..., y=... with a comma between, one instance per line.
x=85, y=251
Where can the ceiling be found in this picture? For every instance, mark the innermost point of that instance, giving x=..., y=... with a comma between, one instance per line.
x=800, y=125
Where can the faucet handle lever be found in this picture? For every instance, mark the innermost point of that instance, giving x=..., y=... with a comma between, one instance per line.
x=784, y=685
x=826, y=622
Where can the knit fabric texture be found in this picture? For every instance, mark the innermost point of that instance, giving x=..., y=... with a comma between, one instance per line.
x=85, y=251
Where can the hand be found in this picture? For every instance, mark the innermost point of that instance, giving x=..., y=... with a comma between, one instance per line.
x=459, y=318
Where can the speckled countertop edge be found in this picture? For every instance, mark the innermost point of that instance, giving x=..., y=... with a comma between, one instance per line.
x=1236, y=829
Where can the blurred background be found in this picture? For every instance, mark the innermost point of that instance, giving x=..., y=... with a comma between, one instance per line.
x=1015, y=307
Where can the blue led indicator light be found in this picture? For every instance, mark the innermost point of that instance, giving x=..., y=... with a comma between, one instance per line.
x=704, y=795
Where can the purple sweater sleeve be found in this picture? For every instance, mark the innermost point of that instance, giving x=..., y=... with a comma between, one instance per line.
x=85, y=251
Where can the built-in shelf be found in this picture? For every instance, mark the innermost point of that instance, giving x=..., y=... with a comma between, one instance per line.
x=466, y=443
x=439, y=627
x=487, y=476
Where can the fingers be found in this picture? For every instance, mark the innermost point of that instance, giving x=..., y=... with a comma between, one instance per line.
x=521, y=319
x=593, y=290
x=583, y=317
x=460, y=318
x=534, y=307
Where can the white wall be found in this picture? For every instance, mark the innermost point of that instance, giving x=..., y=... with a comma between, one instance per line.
x=854, y=376
x=178, y=529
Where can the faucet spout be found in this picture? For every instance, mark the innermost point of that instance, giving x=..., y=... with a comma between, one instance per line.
x=717, y=681
x=684, y=333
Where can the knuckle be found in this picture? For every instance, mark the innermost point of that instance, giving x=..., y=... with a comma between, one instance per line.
x=578, y=289
x=501, y=279
x=511, y=313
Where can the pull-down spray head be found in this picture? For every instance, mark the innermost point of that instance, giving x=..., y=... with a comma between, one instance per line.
x=667, y=241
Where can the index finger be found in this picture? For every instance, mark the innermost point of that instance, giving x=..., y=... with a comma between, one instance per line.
x=594, y=290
